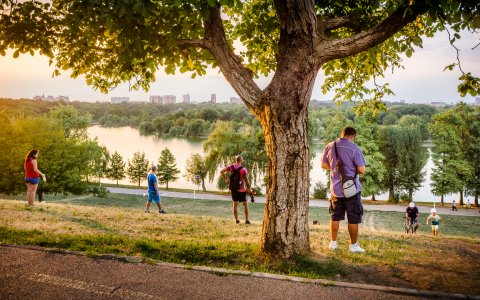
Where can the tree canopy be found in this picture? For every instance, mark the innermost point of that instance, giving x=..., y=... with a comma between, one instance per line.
x=119, y=41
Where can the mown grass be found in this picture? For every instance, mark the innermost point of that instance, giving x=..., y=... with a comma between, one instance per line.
x=202, y=232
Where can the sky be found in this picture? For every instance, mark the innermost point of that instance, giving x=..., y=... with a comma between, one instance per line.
x=422, y=81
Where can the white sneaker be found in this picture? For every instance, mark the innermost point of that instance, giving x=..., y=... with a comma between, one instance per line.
x=355, y=248
x=333, y=245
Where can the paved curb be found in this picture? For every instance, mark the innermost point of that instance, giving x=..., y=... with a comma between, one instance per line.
x=324, y=282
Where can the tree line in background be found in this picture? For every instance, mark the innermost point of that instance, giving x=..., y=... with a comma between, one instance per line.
x=392, y=141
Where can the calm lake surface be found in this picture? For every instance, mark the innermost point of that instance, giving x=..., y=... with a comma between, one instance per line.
x=127, y=140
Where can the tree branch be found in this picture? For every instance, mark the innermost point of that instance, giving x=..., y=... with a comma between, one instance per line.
x=335, y=23
x=367, y=39
x=240, y=78
x=196, y=43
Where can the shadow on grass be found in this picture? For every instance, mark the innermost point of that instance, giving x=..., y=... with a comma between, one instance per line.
x=232, y=255
x=82, y=221
x=309, y=267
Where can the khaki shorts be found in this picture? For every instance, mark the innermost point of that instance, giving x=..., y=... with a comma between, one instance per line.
x=434, y=227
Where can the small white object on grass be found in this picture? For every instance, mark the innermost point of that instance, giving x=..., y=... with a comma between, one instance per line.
x=144, y=194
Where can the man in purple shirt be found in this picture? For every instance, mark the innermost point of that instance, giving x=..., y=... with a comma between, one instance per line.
x=353, y=163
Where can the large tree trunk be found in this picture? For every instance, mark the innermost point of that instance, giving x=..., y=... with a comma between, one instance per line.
x=373, y=197
x=442, y=200
x=284, y=116
x=460, y=200
x=285, y=226
x=476, y=199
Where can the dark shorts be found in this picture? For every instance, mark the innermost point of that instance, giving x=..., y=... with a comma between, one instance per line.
x=152, y=196
x=32, y=180
x=413, y=220
x=239, y=196
x=352, y=206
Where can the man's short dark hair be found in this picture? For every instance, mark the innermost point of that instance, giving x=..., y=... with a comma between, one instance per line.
x=348, y=131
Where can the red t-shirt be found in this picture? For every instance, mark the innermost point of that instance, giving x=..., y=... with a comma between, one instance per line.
x=243, y=173
x=29, y=172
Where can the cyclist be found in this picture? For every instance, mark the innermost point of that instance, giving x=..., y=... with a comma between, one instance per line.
x=412, y=214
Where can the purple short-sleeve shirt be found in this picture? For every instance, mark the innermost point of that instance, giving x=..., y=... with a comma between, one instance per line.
x=351, y=156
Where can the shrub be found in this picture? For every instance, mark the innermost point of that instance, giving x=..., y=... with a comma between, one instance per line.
x=320, y=191
x=99, y=191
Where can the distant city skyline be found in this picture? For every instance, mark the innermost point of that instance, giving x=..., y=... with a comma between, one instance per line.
x=422, y=80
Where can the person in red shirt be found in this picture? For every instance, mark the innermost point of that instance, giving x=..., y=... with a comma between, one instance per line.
x=32, y=175
x=239, y=194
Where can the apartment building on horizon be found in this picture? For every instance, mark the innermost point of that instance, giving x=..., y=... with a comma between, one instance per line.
x=51, y=98
x=213, y=98
x=163, y=100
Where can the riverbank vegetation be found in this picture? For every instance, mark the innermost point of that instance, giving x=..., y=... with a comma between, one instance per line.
x=392, y=142
x=202, y=232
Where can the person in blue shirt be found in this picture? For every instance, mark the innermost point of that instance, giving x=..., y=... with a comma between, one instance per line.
x=153, y=192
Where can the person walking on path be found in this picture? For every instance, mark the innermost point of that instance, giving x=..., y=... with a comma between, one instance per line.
x=435, y=219
x=153, y=192
x=412, y=214
x=32, y=175
x=454, y=205
x=239, y=185
x=351, y=157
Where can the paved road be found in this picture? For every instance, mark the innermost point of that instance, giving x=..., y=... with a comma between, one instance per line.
x=34, y=274
x=313, y=203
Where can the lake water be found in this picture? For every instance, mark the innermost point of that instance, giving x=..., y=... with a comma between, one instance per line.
x=127, y=140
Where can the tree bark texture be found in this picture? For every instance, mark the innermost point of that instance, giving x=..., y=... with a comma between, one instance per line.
x=285, y=226
x=283, y=115
x=460, y=200
x=441, y=200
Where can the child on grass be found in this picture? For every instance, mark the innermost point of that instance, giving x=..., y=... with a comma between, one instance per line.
x=435, y=219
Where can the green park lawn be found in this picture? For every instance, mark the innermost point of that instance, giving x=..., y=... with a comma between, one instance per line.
x=203, y=232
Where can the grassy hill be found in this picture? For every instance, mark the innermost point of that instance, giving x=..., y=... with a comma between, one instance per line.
x=202, y=232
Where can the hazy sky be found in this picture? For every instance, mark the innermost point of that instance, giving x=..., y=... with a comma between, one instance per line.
x=423, y=79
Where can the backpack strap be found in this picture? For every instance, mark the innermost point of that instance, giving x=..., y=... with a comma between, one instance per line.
x=233, y=168
x=340, y=168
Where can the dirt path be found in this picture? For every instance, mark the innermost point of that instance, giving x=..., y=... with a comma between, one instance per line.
x=34, y=274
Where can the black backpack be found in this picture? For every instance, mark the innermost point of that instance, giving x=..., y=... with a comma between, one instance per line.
x=235, y=182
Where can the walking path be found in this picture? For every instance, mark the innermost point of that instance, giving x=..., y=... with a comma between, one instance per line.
x=34, y=273
x=313, y=203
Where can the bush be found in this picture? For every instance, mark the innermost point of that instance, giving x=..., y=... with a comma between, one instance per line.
x=258, y=191
x=320, y=191
x=99, y=191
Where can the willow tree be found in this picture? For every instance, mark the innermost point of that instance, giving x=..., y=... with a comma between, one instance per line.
x=109, y=42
